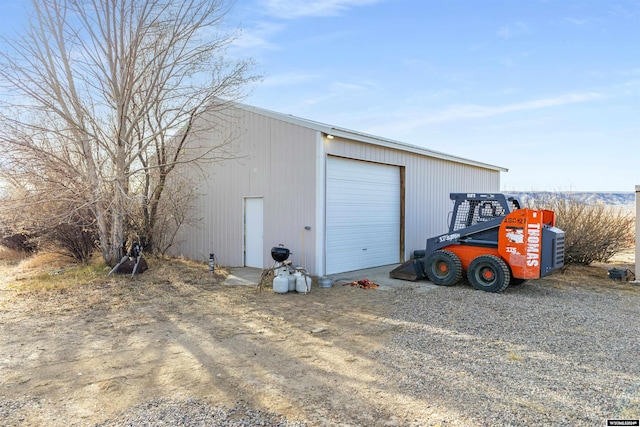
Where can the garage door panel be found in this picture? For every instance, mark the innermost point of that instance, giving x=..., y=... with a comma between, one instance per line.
x=363, y=215
x=372, y=219
x=360, y=237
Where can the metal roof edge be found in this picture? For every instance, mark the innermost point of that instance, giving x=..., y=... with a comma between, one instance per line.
x=366, y=138
x=390, y=143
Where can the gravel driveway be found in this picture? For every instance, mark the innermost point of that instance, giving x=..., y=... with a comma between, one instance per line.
x=535, y=355
x=173, y=348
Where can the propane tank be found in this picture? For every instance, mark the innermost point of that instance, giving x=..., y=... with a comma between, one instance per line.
x=292, y=280
x=280, y=284
x=303, y=283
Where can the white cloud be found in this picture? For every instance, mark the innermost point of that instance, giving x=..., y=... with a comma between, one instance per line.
x=289, y=79
x=341, y=88
x=477, y=111
x=258, y=36
x=578, y=21
x=466, y=112
x=332, y=93
x=291, y=9
x=630, y=10
x=514, y=30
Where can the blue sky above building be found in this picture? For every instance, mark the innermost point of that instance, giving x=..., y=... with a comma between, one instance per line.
x=549, y=89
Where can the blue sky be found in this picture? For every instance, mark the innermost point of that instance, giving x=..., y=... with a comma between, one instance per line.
x=549, y=89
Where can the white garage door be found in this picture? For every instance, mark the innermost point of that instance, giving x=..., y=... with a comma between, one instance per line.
x=363, y=215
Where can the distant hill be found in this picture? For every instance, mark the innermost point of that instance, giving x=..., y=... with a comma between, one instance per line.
x=626, y=199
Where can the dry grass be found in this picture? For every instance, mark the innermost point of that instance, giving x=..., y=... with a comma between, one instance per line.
x=53, y=271
x=45, y=261
x=625, y=257
x=48, y=271
x=595, y=276
x=11, y=256
x=61, y=278
x=52, y=283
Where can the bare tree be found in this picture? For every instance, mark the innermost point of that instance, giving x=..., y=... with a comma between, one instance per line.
x=101, y=98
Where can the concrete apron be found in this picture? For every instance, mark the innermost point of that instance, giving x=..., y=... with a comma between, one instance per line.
x=248, y=276
x=243, y=276
x=380, y=276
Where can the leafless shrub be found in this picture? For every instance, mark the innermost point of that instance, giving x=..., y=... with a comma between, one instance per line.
x=18, y=240
x=31, y=221
x=594, y=232
x=73, y=239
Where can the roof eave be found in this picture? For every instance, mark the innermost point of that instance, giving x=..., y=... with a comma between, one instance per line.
x=367, y=138
x=397, y=145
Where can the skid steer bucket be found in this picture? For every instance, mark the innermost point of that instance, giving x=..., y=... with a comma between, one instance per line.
x=410, y=270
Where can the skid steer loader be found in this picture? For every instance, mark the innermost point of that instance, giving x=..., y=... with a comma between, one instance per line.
x=496, y=241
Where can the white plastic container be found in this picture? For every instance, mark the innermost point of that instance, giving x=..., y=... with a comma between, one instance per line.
x=292, y=281
x=281, y=284
x=303, y=283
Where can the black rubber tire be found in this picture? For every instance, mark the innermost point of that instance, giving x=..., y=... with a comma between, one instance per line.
x=516, y=282
x=489, y=273
x=443, y=268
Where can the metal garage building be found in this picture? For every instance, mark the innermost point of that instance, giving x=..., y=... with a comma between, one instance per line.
x=338, y=199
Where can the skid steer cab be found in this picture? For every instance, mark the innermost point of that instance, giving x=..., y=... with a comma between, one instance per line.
x=491, y=238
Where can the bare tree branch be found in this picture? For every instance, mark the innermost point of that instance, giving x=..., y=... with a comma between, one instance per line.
x=103, y=99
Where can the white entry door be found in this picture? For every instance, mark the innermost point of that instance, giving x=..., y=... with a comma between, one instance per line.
x=253, y=232
x=363, y=215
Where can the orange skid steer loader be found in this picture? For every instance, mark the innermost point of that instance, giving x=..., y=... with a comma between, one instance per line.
x=494, y=240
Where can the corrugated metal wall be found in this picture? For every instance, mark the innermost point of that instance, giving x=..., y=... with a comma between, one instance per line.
x=275, y=161
x=428, y=182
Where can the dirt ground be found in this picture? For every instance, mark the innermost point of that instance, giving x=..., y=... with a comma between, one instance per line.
x=79, y=355
x=82, y=354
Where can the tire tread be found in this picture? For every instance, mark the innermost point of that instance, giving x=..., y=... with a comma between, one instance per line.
x=455, y=267
x=497, y=263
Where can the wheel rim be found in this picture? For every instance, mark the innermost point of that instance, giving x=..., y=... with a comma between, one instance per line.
x=441, y=269
x=486, y=275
